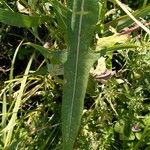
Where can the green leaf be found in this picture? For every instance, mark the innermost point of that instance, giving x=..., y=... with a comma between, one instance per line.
x=17, y=102
x=19, y=20
x=125, y=21
x=55, y=56
x=106, y=42
x=61, y=15
x=131, y=137
x=147, y=120
x=132, y=17
x=114, y=42
x=55, y=69
x=119, y=127
x=81, y=23
x=91, y=87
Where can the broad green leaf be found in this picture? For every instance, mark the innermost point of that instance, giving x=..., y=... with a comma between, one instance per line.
x=82, y=20
x=55, y=56
x=106, y=42
x=119, y=127
x=114, y=42
x=19, y=20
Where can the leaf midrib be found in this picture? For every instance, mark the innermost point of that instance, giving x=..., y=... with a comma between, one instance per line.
x=77, y=60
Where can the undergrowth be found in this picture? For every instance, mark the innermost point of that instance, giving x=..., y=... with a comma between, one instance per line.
x=116, y=113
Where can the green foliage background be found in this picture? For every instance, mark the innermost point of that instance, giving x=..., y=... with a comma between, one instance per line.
x=116, y=114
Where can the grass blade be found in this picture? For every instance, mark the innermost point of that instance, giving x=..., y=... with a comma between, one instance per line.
x=9, y=128
x=4, y=114
x=125, y=21
x=13, y=60
x=132, y=17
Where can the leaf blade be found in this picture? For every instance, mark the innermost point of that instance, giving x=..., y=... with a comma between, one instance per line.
x=56, y=56
x=83, y=18
x=19, y=20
